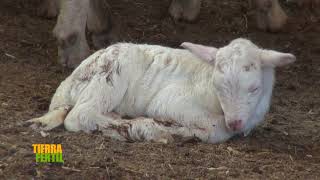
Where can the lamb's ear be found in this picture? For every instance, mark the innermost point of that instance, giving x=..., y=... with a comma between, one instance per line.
x=204, y=52
x=276, y=59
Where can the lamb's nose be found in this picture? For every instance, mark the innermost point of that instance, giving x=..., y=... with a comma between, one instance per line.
x=235, y=125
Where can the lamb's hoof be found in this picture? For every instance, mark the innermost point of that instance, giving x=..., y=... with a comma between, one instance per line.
x=187, y=140
x=164, y=139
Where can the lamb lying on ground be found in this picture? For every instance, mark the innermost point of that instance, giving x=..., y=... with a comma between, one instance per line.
x=204, y=92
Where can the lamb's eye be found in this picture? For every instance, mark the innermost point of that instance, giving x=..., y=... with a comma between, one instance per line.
x=253, y=90
x=246, y=68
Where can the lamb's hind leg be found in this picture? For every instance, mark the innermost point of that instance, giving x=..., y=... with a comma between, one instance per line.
x=94, y=107
x=93, y=111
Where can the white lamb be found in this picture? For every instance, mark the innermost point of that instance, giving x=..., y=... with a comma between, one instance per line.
x=204, y=92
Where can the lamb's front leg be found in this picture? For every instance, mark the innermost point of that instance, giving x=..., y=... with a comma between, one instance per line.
x=112, y=125
x=210, y=133
x=86, y=118
x=138, y=129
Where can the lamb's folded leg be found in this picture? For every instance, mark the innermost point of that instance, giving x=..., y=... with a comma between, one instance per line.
x=139, y=129
x=157, y=130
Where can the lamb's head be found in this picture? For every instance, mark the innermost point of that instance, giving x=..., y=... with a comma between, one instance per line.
x=239, y=78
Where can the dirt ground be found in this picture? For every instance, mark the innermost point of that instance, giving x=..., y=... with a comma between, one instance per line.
x=286, y=146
